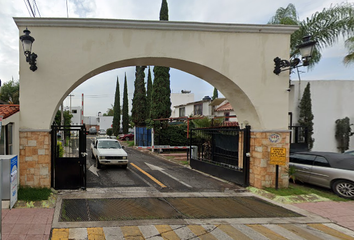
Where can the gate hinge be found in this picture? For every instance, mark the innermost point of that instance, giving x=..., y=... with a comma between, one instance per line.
x=248, y=154
x=84, y=154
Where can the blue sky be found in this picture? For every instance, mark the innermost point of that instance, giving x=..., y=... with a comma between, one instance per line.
x=99, y=90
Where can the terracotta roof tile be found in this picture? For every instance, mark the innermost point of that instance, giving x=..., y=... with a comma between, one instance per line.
x=6, y=110
x=225, y=107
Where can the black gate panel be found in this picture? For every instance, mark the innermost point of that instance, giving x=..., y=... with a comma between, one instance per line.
x=69, y=157
x=222, y=152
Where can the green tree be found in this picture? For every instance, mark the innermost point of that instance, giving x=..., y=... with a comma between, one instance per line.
x=161, y=91
x=109, y=112
x=306, y=116
x=215, y=94
x=343, y=132
x=149, y=95
x=325, y=26
x=164, y=11
x=116, y=111
x=10, y=92
x=67, y=121
x=67, y=117
x=139, y=98
x=125, y=119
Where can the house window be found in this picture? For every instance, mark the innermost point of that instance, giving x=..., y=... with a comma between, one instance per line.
x=74, y=111
x=182, y=112
x=198, y=109
x=227, y=114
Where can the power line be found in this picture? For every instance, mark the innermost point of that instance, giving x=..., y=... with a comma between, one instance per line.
x=35, y=3
x=30, y=6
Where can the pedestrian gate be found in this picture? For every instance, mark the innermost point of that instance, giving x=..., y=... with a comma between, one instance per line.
x=68, y=157
x=222, y=152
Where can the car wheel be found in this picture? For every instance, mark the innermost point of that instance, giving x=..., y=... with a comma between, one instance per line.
x=344, y=188
x=125, y=166
x=98, y=164
x=127, y=139
x=92, y=156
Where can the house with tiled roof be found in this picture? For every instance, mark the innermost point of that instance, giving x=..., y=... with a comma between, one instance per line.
x=223, y=108
x=9, y=141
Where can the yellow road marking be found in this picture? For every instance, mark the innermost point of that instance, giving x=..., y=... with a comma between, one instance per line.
x=330, y=231
x=201, y=232
x=95, y=234
x=300, y=232
x=132, y=233
x=60, y=234
x=167, y=232
x=266, y=232
x=232, y=232
x=149, y=176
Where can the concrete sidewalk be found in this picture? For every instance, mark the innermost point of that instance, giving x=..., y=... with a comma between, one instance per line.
x=27, y=223
x=341, y=213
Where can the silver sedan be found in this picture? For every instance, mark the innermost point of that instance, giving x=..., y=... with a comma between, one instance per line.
x=325, y=169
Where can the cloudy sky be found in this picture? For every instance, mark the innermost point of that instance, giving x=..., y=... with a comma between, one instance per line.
x=99, y=97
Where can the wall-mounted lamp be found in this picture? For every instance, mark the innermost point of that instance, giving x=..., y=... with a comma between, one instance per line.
x=27, y=41
x=305, y=48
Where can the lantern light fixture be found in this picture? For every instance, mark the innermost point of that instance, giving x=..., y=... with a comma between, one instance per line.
x=305, y=48
x=27, y=42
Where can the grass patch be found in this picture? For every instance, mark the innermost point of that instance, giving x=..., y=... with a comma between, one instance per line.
x=300, y=189
x=185, y=162
x=33, y=194
x=130, y=143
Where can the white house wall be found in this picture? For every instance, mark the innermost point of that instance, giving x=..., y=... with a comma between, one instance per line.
x=331, y=100
x=179, y=99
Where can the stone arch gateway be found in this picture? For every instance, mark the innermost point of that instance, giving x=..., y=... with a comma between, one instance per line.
x=235, y=58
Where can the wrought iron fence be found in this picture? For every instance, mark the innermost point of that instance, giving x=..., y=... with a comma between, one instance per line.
x=218, y=145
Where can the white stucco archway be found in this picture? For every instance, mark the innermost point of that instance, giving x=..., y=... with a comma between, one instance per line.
x=235, y=58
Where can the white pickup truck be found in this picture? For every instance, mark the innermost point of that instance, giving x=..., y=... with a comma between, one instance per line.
x=108, y=152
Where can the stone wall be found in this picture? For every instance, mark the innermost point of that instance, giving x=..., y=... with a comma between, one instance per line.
x=35, y=159
x=262, y=173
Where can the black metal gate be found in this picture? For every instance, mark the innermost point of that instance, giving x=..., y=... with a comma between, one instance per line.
x=69, y=157
x=222, y=152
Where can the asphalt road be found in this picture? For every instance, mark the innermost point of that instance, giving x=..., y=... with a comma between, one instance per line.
x=147, y=170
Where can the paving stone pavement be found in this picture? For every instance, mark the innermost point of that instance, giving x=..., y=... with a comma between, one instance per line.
x=220, y=231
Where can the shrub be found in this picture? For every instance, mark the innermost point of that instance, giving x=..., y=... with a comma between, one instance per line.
x=109, y=131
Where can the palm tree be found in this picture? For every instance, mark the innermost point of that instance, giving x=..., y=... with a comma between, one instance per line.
x=349, y=44
x=325, y=26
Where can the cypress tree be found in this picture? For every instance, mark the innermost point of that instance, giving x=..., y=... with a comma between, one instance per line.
x=164, y=11
x=306, y=116
x=149, y=95
x=139, y=98
x=125, y=107
x=161, y=92
x=215, y=94
x=116, y=111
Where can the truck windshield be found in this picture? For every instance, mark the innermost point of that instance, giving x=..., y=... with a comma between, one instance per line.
x=108, y=144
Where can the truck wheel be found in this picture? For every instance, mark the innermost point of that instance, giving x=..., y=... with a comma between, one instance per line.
x=98, y=164
x=125, y=166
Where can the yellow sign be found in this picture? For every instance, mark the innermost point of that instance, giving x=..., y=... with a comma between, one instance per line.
x=277, y=156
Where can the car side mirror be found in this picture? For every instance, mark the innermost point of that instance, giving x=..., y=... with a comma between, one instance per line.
x=122, y=146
